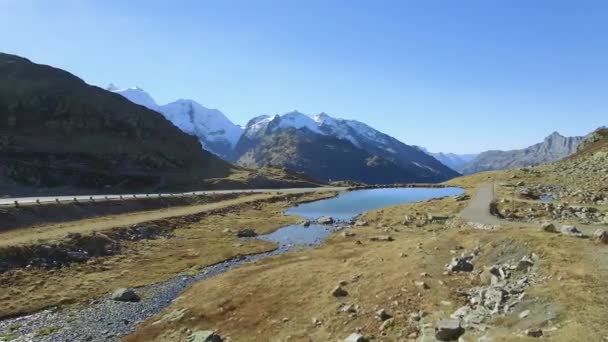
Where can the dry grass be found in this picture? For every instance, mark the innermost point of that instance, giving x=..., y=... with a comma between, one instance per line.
x=276, y=299
x=144, y=262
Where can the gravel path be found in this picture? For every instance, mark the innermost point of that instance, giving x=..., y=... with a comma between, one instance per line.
x=478, y=210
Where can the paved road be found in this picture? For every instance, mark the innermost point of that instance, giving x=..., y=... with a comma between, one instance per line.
x=478, y=209
x=84, y=198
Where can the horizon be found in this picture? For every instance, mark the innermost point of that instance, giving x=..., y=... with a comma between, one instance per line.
x=510, y=73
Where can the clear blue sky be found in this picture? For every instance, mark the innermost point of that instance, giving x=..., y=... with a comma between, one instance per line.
x=454, y=76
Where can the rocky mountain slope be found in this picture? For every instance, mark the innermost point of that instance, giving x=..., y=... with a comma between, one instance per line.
x=60, y=134
x=215, y=131
x=454, y=161
x=335, y=149
x=553, y=148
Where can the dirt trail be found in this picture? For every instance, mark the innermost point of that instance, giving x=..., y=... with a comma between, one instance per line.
x=56, y=231
x=478, y=209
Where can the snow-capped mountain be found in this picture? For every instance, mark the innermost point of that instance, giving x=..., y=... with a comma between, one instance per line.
x=294, y=129
x=320, y=145
x=215, y=131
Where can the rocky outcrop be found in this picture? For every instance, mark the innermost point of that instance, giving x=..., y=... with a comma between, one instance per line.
x=553, y=148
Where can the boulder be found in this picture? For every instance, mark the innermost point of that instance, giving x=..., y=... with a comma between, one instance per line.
x=204, y=336
x=382, y=315
x=600, y=236
x=434, y=217
x=247, y=232
x=338, y=291
x=354, y=337
x=534, y=332
x=381, y=238
x=305, y=223
x=524, y=264
x=448, y=330
x=571, y=231
x=360, y=223
x=548, y=227
x=461, y=264
x=325, y=220
x=125, y=295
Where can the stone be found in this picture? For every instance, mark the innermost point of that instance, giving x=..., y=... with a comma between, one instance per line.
x=571, y=231
x=325, y=220
x=524, y=264
x=338, y=291
x=381, y=238
x=360, y=223
x=434, y=217
x=355, y=337
x=548, y=227
x=534, y=332
x=382, y=315
x=348, y=234
x=125, y=295
x=462, y=264
x=448, y=330
x=387, y=324
x=204, y=336
x=524, y=314
x=305, y=223
x=422, y=285
x=407, y=220
x=247, y=232
x=600, y=236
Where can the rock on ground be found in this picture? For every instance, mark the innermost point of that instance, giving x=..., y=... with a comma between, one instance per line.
x=204, y=336
x=125, y=295
x=247, y=232
x=448, y=330
x=325, y=220
x=354, y=337
x=600, y=236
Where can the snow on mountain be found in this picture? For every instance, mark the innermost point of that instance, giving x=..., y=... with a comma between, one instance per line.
x=215, y=131
x=135, y=95
x=298, y=120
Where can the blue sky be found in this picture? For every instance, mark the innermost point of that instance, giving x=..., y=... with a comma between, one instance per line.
x=453, y=76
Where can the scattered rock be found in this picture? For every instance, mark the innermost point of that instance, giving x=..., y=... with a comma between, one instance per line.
x=348, y=234
x=125, y=295
x=360, y=223
x=204, y=336
x=247, y=232
x=534, y=332
x=571, y=231
x=448, y=330
x=600, y=236
x=354, y=337
x=381, y=238
x=387, y=324
x=524, y=264
x=461, y=264
x=382, y=315
x=548, y=227
x=325, y=220
x=422, y=285
x=338, y=291
x=433, y=217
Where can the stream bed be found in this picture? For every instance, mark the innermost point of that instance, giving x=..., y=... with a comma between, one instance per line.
x=104, y=319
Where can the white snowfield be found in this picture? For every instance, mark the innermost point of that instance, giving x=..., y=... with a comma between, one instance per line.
x=16, y=201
